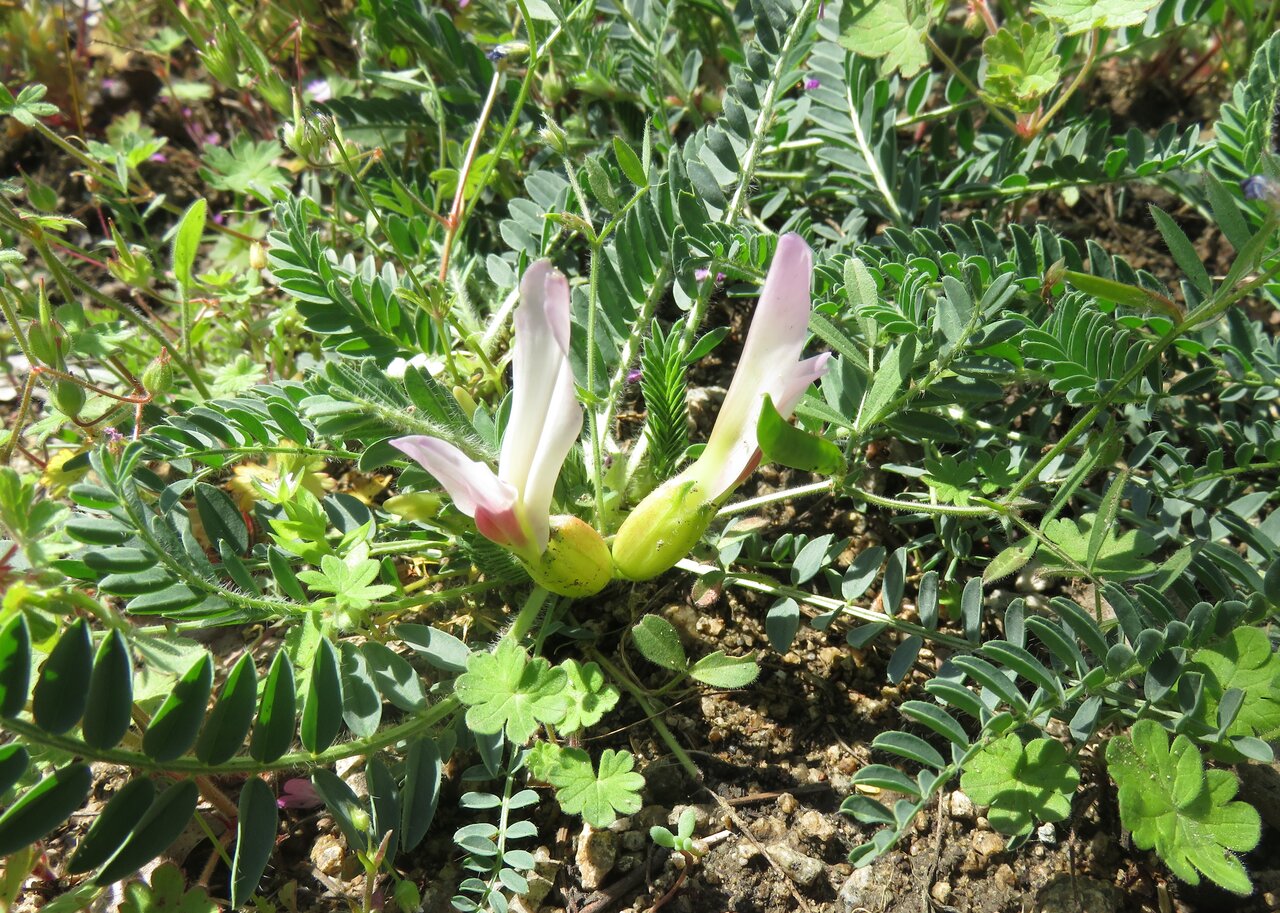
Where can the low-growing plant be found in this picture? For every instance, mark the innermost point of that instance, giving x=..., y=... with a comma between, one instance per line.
x=279, y=529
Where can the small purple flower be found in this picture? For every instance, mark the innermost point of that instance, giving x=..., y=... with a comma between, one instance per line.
x=112, y=435
x=634, y=375
x=319, y=90
x=811, y=83
x=703, y=273
x=1260, y=188
x=497, y=53
x=298, y=793
x=159, y=157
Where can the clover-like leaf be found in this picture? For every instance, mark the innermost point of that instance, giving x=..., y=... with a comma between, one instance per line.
x=598, y=797
x=894, y=30
x=27, y=107
x=167, y=893
x=955, y=482
x=350, y=581
x=1079, y=16
x=1244, y=660
x=1023, y=66
x=1023, y=784
x=1185, y=813
x=589, y=696
x=506, y=689
x=1119, y=556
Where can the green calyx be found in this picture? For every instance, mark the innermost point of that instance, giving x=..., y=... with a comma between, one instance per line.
x=576, y=561
x=662, y=529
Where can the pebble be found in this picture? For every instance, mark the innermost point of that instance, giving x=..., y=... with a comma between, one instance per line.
x=1005, y=876
x=685, y=620
x=634, y=842
x=597, y=853
x=326, y=854
x=787, y=804
x=804, y=869
x=703, y=815
x=651, y=816
x=940, y=892
x=855, y=893
x=988, y=843
x=813, y=825
x=541, y=880
x=961, y=806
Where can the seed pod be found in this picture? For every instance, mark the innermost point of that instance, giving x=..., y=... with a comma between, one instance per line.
x=576, y=561
x=68, y=396
x=158, y=377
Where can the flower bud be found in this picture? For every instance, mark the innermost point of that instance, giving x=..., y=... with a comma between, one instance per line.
x=158, y=376
x=68, y=396
x=414, y=506
x=576, y=561
x=407, y=897
x=257, y=255
x=553, y=87
x=663, y=529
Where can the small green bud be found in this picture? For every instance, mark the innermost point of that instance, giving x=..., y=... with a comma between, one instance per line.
x=47, y=342
x=553, y=87
x=662, y=529
x=414, y=506
x=407, y=897
x=360, y=820
x=158, y=377
x=576, y=562
x=69, y=397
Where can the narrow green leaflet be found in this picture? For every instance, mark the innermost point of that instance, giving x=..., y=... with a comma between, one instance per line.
x=659, y=641
x=1079, y=16
x=1022, y=67
x=1173, y=805
x=894, y=30
x=506, y=690
x=589, y=696
x=1023, y=784
x=721, y=671
x=186, y=243
x=599, y=798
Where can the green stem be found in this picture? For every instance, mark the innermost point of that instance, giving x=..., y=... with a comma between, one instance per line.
x=969, y=84
x=651, y=713
x=760, y=135
x=1042, y=121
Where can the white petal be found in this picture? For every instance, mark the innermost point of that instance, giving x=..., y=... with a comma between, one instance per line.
x=539, y=354
x=471, y=484
x=805, y=373
x=559, y=434
x=768, y=364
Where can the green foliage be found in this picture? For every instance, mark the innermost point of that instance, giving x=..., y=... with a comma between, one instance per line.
x=166, y=893
x=662, y=384
x=599, y=796
x=894, y=30
x=1023, y=66
x=1022, y=782
x=1181, y=810
x=1082, y=15
x=507, y=691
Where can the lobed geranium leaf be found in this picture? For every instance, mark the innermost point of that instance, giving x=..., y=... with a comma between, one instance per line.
x=506, y=690
x=598, y=797
x=1023, y=784
x=1185, y=813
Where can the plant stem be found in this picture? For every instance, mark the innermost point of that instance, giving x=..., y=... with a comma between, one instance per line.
x=1090, y=58
x=970, y=85
x=651, y=714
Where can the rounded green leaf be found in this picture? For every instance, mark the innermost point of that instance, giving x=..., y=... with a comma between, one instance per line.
x=232, y=714
x=782, y=442
x=44, y=807
x=176, y=723
x=256, y=828
x=322, y=708
x=110, y=708
x=15, y=665
x=113, y=825
x=13, y=764
x=361, y=703
x=62, y=690
x=273, y=730
x=158, y=827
